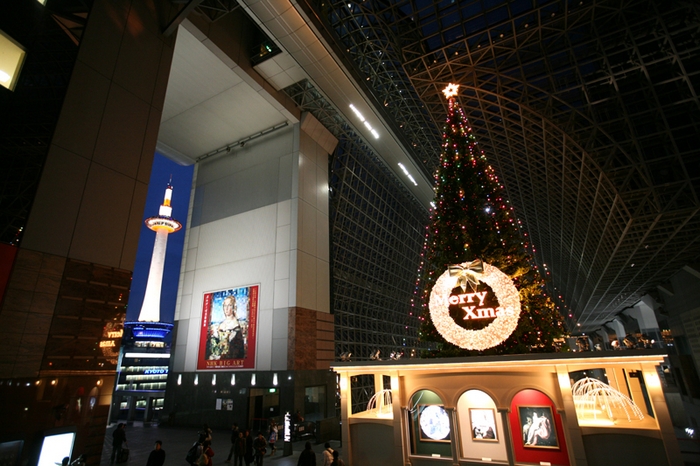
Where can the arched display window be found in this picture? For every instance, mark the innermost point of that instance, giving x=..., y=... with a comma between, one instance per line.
x=537, y=429
x=480, y=427
x=430, y=428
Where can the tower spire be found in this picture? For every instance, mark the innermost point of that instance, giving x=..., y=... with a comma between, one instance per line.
x=163, y=224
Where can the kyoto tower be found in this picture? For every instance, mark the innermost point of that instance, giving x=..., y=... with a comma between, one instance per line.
x=145, y=351
x=163, y=224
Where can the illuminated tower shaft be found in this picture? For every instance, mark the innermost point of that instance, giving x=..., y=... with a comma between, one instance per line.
x=163, y=224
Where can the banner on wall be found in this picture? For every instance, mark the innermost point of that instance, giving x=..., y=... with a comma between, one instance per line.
x=228, y=329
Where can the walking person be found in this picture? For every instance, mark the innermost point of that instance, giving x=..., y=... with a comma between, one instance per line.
x=249, y=452
x=157, y=456
x=118, y=439
x=239, y=450
x=307, y=457
x=273, y=437
x=336, y=459
x=259, y=445
x=327, y=455
x=205, y=434
x=234, y=437
x=194, y=454
x=207, y=454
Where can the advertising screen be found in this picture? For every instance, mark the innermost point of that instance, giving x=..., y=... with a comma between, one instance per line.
x=56, y=447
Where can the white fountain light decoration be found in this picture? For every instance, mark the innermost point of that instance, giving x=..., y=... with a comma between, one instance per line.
x=381, y=404
x=592, y=395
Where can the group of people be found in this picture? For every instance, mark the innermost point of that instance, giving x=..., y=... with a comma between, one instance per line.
x=120, y=446
x=201, y=453
x=248, y=449
x=330, y=457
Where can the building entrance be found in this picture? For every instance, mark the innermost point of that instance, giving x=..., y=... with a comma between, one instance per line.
x=264, y=406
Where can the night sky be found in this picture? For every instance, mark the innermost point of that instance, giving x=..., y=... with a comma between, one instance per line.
x=182, y=183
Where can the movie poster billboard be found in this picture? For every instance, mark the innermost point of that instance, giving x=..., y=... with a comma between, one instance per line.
x=228, y=329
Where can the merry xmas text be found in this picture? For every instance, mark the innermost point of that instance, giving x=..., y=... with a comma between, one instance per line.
x=474, y=312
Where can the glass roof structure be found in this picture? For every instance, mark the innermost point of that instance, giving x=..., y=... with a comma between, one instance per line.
x=587, y=109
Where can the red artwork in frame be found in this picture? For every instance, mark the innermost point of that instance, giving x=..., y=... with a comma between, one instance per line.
x=228, y=328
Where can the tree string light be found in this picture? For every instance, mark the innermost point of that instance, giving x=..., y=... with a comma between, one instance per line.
x=470, y=218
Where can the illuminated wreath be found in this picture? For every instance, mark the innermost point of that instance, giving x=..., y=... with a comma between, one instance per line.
x=493, y=334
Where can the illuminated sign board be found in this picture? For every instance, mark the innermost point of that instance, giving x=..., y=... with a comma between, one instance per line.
x=149, y=344
x=287, y=427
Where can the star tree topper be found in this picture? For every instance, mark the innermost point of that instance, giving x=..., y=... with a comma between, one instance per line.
x=450, y=90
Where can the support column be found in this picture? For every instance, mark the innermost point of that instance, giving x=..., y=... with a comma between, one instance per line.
x=132, y=410
x=396, y=403
x=643, y=313
x=148, y=413
x=572, y=431
x=454, y=437
x=405, y=436
x=114, y=409
x=505, y=422
x=619, y=330
x=345, y=411
x=606, y=339
x=663, y=418
x=378, y=382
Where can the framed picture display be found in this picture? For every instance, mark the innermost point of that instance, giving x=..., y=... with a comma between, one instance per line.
x=434, y=423
x=228, y=329
x=537, y=427
x=483, y=424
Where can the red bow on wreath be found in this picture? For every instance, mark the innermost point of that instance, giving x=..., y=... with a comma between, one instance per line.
x=467, y=272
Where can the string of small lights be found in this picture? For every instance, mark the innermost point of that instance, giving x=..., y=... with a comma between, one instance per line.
x=469, y=219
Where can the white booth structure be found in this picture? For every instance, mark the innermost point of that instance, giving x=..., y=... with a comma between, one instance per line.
x=600, y=408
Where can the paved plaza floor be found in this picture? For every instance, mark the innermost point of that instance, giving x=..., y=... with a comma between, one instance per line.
x=177, y=440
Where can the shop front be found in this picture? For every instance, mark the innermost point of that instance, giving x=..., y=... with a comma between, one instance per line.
x=545, y=409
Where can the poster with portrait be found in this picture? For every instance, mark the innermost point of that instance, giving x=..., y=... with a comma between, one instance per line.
x=483, y=424
x=434, y=423
x=228, y=329
x=537, y=427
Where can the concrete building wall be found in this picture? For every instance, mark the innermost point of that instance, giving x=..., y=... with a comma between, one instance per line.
x=681, y=298
x=93, y=187
x=681, y=302
x=82, y=232
x=260, y=216
x=240, y=235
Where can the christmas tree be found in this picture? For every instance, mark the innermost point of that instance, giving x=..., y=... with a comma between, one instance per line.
x=471, y=220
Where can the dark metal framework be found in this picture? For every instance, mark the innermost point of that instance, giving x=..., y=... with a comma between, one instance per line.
x=50, y=38
x=376, y=239
x=588, y=110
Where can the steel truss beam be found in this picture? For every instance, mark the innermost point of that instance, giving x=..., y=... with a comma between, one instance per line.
x=376, y=240
x=588, y=110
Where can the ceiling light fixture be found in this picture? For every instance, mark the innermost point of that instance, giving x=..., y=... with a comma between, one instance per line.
x=410, y=177
x=363, y=120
